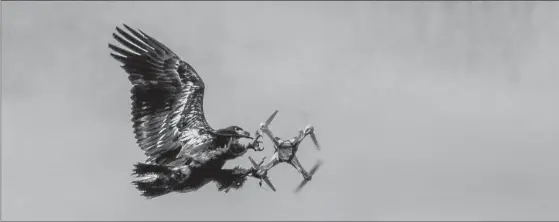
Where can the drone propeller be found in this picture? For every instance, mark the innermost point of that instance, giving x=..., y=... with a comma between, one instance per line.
x=264, y=126
x=269, y=120
x=311, y=173
x=306, y=119
x=265, y=177
x=314, y=140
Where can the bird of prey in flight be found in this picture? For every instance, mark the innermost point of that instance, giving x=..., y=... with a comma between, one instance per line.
x=183, y=151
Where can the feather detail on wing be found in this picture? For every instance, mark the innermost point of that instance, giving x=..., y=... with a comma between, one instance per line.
x=167, y=97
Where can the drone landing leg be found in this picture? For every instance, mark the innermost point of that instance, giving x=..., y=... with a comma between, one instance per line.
x=297, y=165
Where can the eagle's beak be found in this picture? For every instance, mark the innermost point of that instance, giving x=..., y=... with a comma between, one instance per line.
x=246, y=134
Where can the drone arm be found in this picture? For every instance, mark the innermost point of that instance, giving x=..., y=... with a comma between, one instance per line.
x=302, y=135
x=273, y=162
x=297, y=165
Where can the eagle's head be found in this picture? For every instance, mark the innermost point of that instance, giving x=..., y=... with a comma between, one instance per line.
x=232, y=132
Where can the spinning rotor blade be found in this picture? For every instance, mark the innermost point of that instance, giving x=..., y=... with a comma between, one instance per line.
x=301, y=186
x=314, y=140
x=269, y=183
x=311, y=172
x=265, y=178
x=306, y=118
x=253, y=163
x=269, y=120
x=315, y=168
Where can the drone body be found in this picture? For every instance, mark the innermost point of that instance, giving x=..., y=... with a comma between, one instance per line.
x=285, y=152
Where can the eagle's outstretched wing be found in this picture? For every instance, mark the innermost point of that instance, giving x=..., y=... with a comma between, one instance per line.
x=167, y=95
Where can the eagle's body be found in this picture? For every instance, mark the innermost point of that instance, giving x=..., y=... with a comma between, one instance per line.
x=184, y=152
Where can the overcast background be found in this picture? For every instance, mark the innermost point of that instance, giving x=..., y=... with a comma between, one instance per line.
x=426, y=111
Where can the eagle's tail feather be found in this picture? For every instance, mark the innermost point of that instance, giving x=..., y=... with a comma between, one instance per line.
x=141, y=169
x=154, y=180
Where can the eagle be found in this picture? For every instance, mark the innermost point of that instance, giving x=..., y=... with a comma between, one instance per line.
x=183, y=151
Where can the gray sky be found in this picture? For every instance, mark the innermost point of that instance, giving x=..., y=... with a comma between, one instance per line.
x=426, y=111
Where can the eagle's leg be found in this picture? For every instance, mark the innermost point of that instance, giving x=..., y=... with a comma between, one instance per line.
x=297, y=165
x=255, y=145
x=231, y=178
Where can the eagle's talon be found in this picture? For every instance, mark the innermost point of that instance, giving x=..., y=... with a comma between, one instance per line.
x=256, y=146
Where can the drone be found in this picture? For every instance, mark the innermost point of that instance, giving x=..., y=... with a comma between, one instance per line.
x=285, y=152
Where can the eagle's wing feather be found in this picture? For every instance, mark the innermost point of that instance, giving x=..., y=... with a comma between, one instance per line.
x=167, y=96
